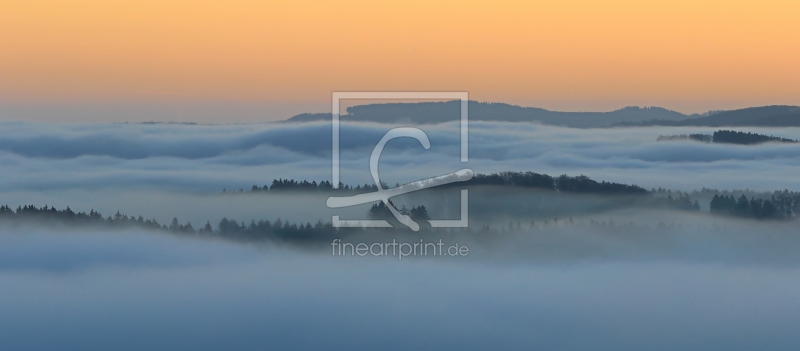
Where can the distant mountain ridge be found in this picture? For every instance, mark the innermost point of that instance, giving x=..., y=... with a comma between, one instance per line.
x=448, y=111
x=764, y=116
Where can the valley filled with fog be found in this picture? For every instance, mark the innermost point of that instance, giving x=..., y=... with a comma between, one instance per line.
x=167, y=170
x=549, y=267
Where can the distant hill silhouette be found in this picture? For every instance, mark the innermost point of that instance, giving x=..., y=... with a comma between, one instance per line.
x=728, y=137
x=742, y=138
x=765, y=116
x=439, y=112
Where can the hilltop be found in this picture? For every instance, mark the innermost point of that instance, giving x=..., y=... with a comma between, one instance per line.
x=632, y=116
x=765, y=116
x=441, y=112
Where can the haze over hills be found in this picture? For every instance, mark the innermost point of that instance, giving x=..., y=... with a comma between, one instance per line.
x=440, y=112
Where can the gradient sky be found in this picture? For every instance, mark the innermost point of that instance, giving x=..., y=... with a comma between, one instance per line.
x=271, y=59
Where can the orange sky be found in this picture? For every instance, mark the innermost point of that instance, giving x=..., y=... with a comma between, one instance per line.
x=566, y=55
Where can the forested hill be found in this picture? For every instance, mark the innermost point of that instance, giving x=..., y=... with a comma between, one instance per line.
x=742, y=138
x=448, y=111
x=765, y=116
x=728, y=137
x=562, y=183
x=439, y=112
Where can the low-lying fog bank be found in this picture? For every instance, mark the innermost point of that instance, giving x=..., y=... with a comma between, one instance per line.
x=136, y=290
x=628, y=235
x=51, y=157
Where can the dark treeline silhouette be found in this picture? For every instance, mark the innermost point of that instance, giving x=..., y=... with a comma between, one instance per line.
x=279, y=185
x=51, y=216
x=417, y=213
x=778, y=207
x=226, y=228
x=727, y=137
x=784, y=205
x=500, y=183
x=742, y=138
x=706, y=192
x=285, y=232
x=563, y=183
x=278, y=230
x=282, y=231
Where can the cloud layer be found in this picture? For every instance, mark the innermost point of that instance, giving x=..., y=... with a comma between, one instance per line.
x=209, y=158
x=135, y=290
x=163, y=171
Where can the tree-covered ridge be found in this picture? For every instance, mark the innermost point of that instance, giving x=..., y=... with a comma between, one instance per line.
x=51, y=215
x=764, y=116
x=286, y=232
x=563, y=183
x=418, y=214
x=727, y=137
x=777, y=205
x=742, y=138
x=780, y=206
x=785, y=205
x=706, y=192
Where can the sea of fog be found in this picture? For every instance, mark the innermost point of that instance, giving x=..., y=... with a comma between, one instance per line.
x=134, y=290
x=703, y=283
x=166, y=170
